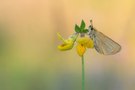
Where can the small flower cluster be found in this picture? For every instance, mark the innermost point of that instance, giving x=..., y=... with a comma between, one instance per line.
x=80, y=37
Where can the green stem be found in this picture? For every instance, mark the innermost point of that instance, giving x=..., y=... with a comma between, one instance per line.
x=83, y=74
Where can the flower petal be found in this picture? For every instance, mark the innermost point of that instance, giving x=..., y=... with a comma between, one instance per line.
x=90, y=44
x=86, y=41
x=80, y=49
x=66, y=46
x=82, y=40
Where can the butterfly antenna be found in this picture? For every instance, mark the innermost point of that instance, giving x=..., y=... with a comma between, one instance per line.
x=91, y=23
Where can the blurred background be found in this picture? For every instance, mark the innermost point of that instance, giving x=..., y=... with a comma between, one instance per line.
x=30, y=60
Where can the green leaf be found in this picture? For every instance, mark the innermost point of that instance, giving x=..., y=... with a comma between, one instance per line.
x=82, y=25
x=77, y=28
x=85, y=31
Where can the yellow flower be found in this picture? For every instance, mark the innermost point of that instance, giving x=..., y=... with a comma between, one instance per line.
x=83, y=43
x=68, y=43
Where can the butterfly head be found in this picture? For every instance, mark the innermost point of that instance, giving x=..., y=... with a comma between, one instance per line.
x=90, y=27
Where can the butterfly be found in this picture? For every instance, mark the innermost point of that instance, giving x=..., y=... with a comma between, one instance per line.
x=102, y=43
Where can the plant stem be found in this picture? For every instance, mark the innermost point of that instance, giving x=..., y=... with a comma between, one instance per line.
x=83, y=74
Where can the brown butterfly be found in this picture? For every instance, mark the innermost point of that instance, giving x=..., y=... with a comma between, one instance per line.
x=102, y=43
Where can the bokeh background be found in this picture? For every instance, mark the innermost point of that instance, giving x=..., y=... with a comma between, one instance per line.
x=30, y=60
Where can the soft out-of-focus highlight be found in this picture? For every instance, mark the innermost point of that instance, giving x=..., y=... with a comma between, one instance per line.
x=30, y=60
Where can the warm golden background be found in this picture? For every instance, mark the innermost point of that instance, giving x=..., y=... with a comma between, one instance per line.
x=29, y=59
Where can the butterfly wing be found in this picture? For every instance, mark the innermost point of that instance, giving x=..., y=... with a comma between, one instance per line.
x=105, y=45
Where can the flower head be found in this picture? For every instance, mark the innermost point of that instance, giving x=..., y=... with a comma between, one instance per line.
x=83, y=42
